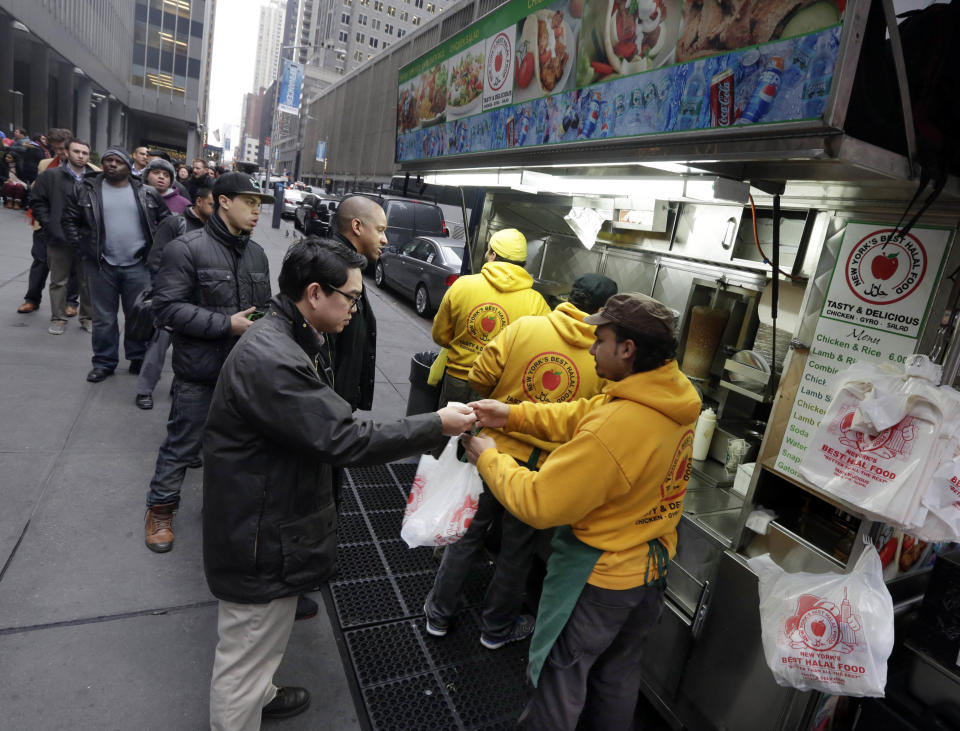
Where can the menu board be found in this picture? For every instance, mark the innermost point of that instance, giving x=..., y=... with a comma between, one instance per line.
x=542, y=72
x=875, y=308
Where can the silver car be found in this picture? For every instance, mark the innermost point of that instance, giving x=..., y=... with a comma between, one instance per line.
x=291, y=199
x=422, y=269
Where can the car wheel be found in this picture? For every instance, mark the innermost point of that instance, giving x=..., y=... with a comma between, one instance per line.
x=421, y=301
x=378, y=276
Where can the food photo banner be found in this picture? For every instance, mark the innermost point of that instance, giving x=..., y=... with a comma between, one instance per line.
x=540, y=73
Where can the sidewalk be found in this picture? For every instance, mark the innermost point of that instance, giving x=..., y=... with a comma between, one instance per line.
x=97, y=632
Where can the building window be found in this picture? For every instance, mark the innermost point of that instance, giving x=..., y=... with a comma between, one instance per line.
x=404, y=15
x=357, y=55
x=362, y=19
x=375, y=24
x=360, y=37
x=401, y=33
x=378, y=5
x=374, y=43
x=418, y=3
x=391, y=11
x=343, y=36
x=365, y=3
x=415, y=20
x=431, y=8
x=348, y=3
x=388, y=29
x=345, y=19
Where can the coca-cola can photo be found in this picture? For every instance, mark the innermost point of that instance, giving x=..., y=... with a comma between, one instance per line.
x=722, y=102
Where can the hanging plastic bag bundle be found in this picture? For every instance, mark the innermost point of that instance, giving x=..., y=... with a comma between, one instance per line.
x=827, y=632
x=882, y=438
x=938, y=518
x=442, y=501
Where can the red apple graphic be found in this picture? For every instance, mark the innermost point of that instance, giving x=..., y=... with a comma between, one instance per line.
x=488, y=323
x=884, y=267
x=818, y=628
x=550, y=380
x=498, y=62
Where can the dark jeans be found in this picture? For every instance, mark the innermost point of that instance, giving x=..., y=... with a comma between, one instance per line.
x=188, y=413
x=110, y=287
x=504, y=596
x=593, y=670
x=39, y=270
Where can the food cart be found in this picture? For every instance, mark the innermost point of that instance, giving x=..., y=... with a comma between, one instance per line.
x=706, y=160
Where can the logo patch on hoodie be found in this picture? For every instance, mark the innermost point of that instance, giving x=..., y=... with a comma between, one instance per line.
x=678, y=474
x=485, y=322
x=551, y=378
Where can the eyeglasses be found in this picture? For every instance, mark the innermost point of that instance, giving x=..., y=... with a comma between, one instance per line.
x=353, y=299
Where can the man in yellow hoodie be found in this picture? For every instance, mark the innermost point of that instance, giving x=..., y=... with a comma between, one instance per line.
x=539, y=359
x=614, y=489
x=478, y=307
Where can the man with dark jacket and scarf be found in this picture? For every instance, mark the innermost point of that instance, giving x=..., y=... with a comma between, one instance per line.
x=209, y=281
x=275, y=431
x=111, y=218
x=193, y=218
x=361, y=225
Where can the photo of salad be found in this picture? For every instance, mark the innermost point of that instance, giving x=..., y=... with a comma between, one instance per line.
x=627, y=37
x=466, y=81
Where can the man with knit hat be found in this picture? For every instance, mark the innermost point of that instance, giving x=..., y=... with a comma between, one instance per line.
x=540, y=360
x=613, y=490
x=477, y=307
x=111, y=219
x=159, y=174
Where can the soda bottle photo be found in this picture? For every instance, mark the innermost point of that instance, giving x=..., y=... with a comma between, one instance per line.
x=816, y=88
x=692, y=100
x=762, y=98
x=800, y=61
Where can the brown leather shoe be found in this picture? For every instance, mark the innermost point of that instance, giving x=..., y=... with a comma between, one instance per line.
x=27, y=307
x=158, y=524
x=71, y=311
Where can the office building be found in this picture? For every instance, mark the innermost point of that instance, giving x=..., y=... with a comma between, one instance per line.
x=113, y=71
x=269, y=40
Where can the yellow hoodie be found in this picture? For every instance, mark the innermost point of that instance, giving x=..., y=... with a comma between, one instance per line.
x=539, y=359
x=619, y=479
x=477, y=307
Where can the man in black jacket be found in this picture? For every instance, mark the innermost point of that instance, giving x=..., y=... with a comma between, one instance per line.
x=48, y=199
x=209, y=281
x=276, y=428
x=111, y=218
x=362, y=225
x=192, y=219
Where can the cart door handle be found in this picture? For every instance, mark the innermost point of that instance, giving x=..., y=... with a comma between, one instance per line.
x=700, y=613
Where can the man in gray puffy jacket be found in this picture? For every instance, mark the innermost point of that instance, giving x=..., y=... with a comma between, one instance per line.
x=209, y=281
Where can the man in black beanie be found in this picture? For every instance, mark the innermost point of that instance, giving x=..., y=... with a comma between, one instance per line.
x=111, y=218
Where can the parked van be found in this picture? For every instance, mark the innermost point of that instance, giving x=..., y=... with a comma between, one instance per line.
x=408, y=218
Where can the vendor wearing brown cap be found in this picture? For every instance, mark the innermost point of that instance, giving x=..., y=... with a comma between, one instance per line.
x=478, y=307
x=614, y=491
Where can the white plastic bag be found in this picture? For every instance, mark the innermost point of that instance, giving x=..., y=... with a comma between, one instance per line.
x=939, y=515
x=881, y=439
x=442, y=501
x=827, y=632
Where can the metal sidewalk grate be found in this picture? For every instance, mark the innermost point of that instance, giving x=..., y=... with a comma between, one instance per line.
x=406, y=679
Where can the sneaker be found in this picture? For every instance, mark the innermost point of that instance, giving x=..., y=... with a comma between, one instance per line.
x=522, y=628
x=86, y=325
x=57, y=327
x=435, y=627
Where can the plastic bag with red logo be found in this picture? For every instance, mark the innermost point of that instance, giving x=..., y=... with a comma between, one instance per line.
x=881, y=439
x=442, y=501
x=828, y=632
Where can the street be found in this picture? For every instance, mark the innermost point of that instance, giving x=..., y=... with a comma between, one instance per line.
x=97, y=632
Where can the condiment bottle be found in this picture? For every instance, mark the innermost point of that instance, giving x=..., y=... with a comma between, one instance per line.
x=703, y=434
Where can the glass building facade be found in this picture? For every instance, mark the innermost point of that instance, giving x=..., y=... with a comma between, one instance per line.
x=168, y=46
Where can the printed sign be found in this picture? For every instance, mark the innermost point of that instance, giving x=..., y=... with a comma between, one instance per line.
x=874, y=311
x=291, y=84
x=573, y=70
x=321, y=151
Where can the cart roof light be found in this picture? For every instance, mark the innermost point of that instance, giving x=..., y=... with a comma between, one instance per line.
x=485, y=179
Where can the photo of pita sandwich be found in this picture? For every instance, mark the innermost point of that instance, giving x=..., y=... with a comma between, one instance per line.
x=544, y=53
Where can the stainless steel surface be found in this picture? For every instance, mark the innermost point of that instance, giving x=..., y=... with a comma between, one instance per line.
x=700, y=230
x=710, y=500
x=665, y=654
x=792, y=553
x=710, y=473
x=726, y=677
x=723, y=524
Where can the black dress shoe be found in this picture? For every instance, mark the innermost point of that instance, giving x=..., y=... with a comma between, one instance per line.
x=144, y=401
x=306, y=607
x=288, y=702
x=98, y=374
x=135, y=367
x=196, y=464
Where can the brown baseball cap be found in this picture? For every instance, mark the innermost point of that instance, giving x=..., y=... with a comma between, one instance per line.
x=637, y=313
